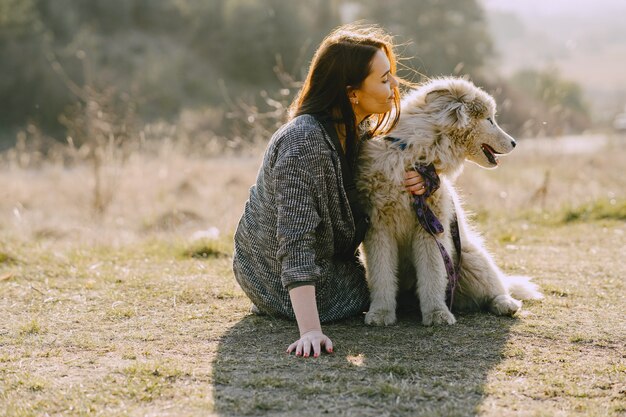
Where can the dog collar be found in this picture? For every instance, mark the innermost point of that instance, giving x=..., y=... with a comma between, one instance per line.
x=396, y=141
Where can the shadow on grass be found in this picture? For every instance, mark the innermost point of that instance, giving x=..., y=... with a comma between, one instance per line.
x=403, y=370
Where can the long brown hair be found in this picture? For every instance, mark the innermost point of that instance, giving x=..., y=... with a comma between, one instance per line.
x=343, y=60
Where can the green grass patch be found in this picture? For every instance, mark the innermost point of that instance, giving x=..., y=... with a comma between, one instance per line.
x=29, y=328
x=580, y=338
x=603, y=209
x=5, y=258
x=154, y=370
x=266, y=382
x=29, y=382
x=206, y=249
x=120, y=313
x=599, y=210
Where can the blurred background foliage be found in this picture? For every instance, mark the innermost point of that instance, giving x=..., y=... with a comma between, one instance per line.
x=228, y=68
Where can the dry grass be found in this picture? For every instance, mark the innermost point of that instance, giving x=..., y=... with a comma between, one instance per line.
x=163, y=194
x=125, y=314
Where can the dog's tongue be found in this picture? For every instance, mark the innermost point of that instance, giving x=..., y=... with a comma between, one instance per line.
x=489, y=153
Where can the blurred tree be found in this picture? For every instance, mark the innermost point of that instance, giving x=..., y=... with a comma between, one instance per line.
x=172, y=54
x=441, y=37
x=246, y=39
x=168, y=52
x=17, y=16
x=551, y=89
x=28, y=86
x=565, y=107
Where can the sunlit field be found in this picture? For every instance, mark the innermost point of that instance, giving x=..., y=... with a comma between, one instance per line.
x=168, y=191
x=131, y=132
x=124, y=303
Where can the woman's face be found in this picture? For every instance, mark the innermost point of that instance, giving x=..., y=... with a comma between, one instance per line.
x=377, y=91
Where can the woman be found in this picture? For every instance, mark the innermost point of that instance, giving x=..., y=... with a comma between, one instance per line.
x=296, y=243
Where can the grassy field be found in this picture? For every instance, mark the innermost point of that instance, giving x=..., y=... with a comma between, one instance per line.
x=128, y=312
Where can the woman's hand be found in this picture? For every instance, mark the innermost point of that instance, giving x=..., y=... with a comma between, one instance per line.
x=414, y=183
x=312, y=340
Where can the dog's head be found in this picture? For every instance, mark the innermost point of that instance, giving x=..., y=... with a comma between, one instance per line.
x=466, y=114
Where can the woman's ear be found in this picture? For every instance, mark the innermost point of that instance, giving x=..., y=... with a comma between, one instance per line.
x=352, y=95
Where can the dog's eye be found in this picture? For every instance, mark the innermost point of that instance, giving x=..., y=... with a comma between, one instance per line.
x=490, y=120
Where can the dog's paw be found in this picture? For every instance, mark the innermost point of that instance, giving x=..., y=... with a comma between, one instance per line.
x=505, y=305
x=436, y=317
x=380, y=317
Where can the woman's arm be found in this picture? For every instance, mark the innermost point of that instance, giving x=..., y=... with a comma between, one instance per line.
x=311, y=336
x=297, y=221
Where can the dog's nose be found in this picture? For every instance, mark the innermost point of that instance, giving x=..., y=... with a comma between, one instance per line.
x=513, y=143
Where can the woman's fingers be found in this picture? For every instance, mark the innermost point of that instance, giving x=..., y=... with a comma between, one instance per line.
x=328, y=345
x=412, y=178
x=297, y=347
x=308, y=346
x=417, y=189
x=414, y=183
x=317, y=349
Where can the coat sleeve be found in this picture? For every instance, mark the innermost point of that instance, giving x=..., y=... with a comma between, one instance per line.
x=297, y=220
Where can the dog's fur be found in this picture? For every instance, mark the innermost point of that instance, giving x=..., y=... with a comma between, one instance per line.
x=444, y=122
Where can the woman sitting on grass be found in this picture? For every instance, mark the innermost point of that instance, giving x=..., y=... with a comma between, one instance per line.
x=296, y=243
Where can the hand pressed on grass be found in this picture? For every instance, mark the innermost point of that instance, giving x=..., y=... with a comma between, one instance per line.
x=312, y=340
x=311, y=336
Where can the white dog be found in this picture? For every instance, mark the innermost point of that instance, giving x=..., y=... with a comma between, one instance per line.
x=442, y=123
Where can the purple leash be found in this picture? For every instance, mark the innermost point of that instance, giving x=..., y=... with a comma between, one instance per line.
x=431, y=223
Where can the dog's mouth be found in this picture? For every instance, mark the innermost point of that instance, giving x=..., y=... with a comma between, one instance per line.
x=490, y=153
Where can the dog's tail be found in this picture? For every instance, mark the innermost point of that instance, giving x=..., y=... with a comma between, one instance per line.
x=522, y=288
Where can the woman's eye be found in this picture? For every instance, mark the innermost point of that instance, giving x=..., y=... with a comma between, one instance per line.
x=490, y=120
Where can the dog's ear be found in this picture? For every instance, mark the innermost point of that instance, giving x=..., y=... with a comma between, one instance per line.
x=448, y=108
x=477, y=109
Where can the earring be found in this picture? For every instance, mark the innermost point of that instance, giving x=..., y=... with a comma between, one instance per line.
x=356, y=102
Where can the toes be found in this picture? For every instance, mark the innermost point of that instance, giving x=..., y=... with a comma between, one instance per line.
x=380, y=318
x=438, y=317
x=505, y=305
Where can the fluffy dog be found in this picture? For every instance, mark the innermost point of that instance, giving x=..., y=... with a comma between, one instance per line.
x=443, y=122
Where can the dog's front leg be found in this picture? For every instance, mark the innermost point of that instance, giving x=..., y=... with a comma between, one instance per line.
x=431, y=281
x=381, y=261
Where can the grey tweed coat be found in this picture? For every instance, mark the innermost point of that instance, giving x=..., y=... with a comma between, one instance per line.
x=296, y=225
